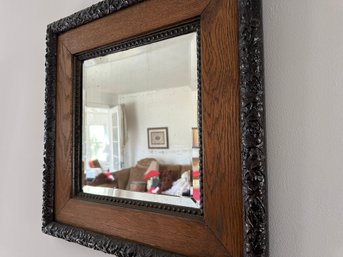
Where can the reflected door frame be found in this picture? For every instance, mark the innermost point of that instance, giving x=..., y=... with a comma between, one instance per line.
x=116, y=111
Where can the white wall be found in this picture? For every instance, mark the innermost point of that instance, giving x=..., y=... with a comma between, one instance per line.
x=174, y=108
x=22, y=50
x=304, y=92
x=94, y=98
x=304, y=98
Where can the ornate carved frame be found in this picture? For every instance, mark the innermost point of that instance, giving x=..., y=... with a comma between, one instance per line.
x=233, y=219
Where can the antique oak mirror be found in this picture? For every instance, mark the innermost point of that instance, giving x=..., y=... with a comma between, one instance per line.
x=154, y=130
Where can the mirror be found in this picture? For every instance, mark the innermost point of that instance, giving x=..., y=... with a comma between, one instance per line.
x=117, y=73
x=140, y=135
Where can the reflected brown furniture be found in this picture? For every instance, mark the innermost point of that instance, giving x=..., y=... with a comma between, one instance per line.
x=124, y=177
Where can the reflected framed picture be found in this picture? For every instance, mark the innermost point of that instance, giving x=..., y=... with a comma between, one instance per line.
x=158, y=138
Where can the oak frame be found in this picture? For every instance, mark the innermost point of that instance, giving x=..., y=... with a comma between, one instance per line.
x=234, y=160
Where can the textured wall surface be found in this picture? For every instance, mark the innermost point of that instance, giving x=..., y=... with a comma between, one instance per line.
x=304, y=92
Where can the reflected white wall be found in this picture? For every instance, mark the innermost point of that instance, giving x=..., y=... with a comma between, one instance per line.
x=174, y=108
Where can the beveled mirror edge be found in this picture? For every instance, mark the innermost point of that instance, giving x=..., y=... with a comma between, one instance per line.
x=192, y=26
x=253, y=150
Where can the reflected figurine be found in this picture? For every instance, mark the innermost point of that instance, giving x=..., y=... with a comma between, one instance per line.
x=109, y=176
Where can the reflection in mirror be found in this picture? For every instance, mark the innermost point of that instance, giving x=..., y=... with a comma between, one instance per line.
x=140, y=125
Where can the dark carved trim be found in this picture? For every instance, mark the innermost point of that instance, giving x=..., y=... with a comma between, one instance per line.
x=253, y=129
x=49, y=127
x=193, y=26
x=144, y=205
x=89, y=14
x=111, y=245
x=77, y=127
x=199, y=113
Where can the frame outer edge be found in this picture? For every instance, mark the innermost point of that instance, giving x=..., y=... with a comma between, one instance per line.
x=109, y=245
x=253, y=145
x=92, y=13
x=49, y=128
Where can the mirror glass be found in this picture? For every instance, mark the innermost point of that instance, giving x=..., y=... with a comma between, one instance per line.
x=140, y=135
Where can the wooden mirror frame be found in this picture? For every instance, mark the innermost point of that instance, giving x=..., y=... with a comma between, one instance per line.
x=233, y=218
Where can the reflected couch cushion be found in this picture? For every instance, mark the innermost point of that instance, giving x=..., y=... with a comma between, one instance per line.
x=135, y=174
x=124, y=178
x=121, y=177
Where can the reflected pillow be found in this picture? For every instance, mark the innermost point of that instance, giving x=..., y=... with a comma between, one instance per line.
x=122, y=177
x=136, y=174
x=181, y=186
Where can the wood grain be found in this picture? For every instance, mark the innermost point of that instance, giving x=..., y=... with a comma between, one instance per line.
x=184, y=236
x=63, y=164
x=221, y=124
x=147, y=16
x=221, y=232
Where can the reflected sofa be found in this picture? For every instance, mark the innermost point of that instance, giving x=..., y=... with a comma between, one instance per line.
x=125, y=177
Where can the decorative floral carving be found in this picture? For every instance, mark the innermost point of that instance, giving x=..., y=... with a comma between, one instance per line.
x=49, y=125
x=118, y=247
x=89, y=14
x=252, y=129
